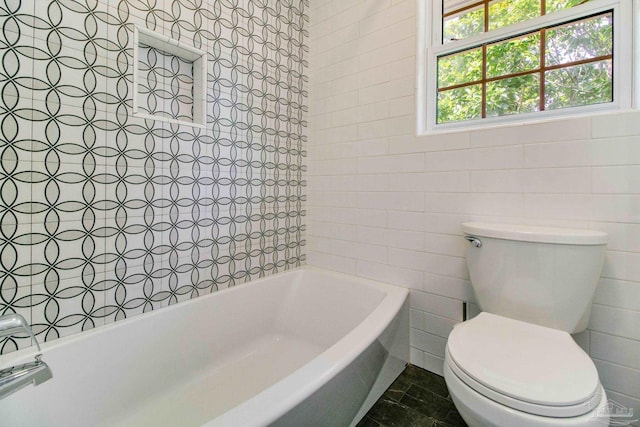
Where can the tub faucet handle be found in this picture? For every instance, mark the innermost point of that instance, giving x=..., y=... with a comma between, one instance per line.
x=13, y=323
x=14, y=378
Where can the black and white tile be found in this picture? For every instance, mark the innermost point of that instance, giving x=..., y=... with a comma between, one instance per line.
x=104, y=215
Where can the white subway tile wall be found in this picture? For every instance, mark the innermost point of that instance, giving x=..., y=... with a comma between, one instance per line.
x=387, y=204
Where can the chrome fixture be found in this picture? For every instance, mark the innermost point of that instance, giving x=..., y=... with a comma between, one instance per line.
x=474, y=241
x=14, y=378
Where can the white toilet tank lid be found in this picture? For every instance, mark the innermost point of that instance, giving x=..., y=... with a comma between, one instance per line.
x=529, y=363
x=532, y=233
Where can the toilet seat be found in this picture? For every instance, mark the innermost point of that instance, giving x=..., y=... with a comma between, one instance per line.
x=526, y=367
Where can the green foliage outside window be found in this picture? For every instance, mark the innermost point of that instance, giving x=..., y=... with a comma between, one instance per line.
x=574, y=74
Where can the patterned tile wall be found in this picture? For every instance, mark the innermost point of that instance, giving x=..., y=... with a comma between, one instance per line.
x=105, y=216
x=166, y=87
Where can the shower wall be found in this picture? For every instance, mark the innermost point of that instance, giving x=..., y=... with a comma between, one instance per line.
x=105, y=215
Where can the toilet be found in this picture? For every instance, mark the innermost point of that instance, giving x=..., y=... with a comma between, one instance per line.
x=516, y=364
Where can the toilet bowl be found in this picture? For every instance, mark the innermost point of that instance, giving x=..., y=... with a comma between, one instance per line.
x=503, y=372
x=516, y=364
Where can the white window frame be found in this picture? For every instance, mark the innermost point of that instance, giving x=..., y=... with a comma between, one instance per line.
x=626, y=51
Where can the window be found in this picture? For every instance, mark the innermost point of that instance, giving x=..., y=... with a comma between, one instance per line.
x=498, y=60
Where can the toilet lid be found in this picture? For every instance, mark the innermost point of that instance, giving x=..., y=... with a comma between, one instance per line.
x=524, y=366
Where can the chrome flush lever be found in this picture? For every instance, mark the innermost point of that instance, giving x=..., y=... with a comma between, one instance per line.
x=474, y=241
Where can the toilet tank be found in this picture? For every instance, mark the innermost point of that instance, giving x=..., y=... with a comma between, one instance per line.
x=541, y=275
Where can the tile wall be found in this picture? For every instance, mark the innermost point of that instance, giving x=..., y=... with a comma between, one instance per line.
x=387, y=204
x=104, y=215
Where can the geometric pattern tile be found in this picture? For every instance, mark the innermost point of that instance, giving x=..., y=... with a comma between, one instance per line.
x=103, y=215
x=166, y=88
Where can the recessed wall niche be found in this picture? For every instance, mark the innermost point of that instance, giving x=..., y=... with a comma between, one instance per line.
x=169, y=80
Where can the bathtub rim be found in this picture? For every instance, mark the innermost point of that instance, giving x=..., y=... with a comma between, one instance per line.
x=25, y=354
x=320, y=370
x=260, y=409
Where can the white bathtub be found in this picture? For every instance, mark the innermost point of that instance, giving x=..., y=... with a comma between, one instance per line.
x=303, y=348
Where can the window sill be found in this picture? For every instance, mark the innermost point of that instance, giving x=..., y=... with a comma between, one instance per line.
x=514, y=121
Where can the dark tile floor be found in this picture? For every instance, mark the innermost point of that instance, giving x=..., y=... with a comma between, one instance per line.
x=417, y=398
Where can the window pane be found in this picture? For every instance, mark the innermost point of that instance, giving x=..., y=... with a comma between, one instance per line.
x=556, y=5
x=463, y=103
x=513, y=95
x=572, y=68
x=583, y=84
x=580, y=40
x=451, y=6
x=463, y=67
x=513, y=56
x=507, y=12
x=462, y=25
